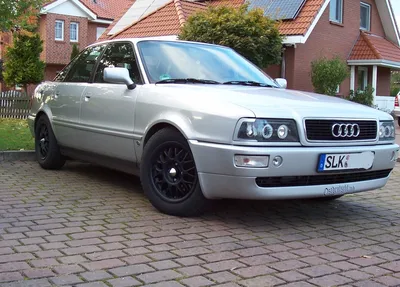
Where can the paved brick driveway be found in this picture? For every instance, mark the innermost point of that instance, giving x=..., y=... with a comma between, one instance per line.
x=88, y=226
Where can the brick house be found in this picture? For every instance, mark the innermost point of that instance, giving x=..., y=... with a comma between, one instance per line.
x=63, y=23
x=364, y=33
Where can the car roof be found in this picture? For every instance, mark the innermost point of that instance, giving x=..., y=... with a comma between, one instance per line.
x=161, y=38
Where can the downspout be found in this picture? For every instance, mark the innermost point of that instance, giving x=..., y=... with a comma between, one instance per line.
x=283, y=63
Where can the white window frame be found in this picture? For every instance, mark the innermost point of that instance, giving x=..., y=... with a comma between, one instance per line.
x=99, y=34
x=365, y=70
x=77, y=31
x=368, y=6
x=336, y=18
x=62, y=30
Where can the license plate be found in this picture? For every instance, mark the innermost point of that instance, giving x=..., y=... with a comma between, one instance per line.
x=345, y=161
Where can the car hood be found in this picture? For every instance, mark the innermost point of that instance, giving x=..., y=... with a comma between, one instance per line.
x=284, y=103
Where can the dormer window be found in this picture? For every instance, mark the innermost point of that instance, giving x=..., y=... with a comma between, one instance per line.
x=365, y=16
x=336, y=11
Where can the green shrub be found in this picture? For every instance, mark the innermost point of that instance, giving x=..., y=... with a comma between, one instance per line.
x=75, y=51
x=248, y=32
x=328, y=74
x=364, y=97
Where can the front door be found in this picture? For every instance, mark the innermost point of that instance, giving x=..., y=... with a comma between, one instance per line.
x=66, y=100
x=107, y=110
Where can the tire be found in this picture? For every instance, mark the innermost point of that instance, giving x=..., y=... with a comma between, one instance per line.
x=47, y=150
x=398, y=121
x=169, y=176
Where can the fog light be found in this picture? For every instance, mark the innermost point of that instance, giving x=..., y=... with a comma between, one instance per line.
x=251, y=160
x=277, y=161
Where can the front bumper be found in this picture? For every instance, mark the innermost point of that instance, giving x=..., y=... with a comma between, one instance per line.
x=220, y=178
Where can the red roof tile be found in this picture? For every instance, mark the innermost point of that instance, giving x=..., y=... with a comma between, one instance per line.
x=168, y=19
x=105, y=9
x=298, y=26
x=165, y=21
x=373, y=47
x=303, y=21
x=104, y=36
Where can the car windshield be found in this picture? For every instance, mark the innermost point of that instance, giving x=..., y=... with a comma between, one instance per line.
x=168, y=60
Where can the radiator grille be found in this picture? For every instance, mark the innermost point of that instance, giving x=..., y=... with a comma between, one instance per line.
x=321, y=130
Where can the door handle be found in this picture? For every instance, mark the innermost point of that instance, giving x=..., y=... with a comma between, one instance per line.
x=87, y=97
x=57, y=94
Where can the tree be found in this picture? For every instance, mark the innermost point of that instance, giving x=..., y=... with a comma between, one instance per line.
x=248, y=32
x=328, y=74
x=18, y=14
x=75, y=51
x=22, y=64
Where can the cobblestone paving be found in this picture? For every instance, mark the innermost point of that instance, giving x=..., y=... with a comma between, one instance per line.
x=89, y=226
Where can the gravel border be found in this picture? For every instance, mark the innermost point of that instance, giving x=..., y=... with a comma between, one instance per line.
x=26, y=155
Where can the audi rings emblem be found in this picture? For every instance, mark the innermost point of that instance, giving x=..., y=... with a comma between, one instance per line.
x=346, y=130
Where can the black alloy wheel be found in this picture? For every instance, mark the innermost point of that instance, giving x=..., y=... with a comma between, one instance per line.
x=44, y=141
x=174, y=172
x=169, y=175
x=46, y=147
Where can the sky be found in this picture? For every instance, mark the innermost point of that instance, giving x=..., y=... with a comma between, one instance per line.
x=396, y=8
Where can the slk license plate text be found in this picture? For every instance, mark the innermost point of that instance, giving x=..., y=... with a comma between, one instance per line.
x=345, y=161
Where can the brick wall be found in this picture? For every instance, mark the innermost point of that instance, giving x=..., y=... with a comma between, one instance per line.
x=383, y=88
x=59, y=52
x=330, y=39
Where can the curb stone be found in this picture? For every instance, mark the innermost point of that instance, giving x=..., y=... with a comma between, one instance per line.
x=26, y=155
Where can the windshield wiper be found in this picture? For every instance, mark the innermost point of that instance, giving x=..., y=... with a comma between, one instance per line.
x=187, y=80
x=249, y=83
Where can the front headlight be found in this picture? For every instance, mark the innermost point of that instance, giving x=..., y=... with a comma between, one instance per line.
x=387, y=131
x=267, y=130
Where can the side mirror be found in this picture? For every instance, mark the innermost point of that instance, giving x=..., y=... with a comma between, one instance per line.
x=281, y=82
x=118, y=76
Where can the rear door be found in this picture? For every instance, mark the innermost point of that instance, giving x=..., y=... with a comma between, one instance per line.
x=107, y=110
x=66, y=101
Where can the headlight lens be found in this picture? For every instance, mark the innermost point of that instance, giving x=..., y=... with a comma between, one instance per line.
x=387, y=131
x=268, y=130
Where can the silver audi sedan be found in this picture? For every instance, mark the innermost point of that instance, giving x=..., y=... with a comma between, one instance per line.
x=198, y=122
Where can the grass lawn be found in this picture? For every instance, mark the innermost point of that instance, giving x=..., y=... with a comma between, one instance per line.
x=15, y=135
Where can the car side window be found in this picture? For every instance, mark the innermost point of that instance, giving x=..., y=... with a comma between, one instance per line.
x=119, y=55
x=60, y=77
x=83, y=66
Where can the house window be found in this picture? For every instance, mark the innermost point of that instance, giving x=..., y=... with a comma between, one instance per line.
x=99, y=32
x=362, y=78
x=74, y=32
x=59, y=30
x=336, y=11
x=365, y=16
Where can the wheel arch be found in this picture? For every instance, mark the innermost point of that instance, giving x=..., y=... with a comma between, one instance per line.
x=173, y=121
x=44, y=111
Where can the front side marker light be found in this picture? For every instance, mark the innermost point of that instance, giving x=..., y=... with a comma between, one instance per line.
x=251, y=161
